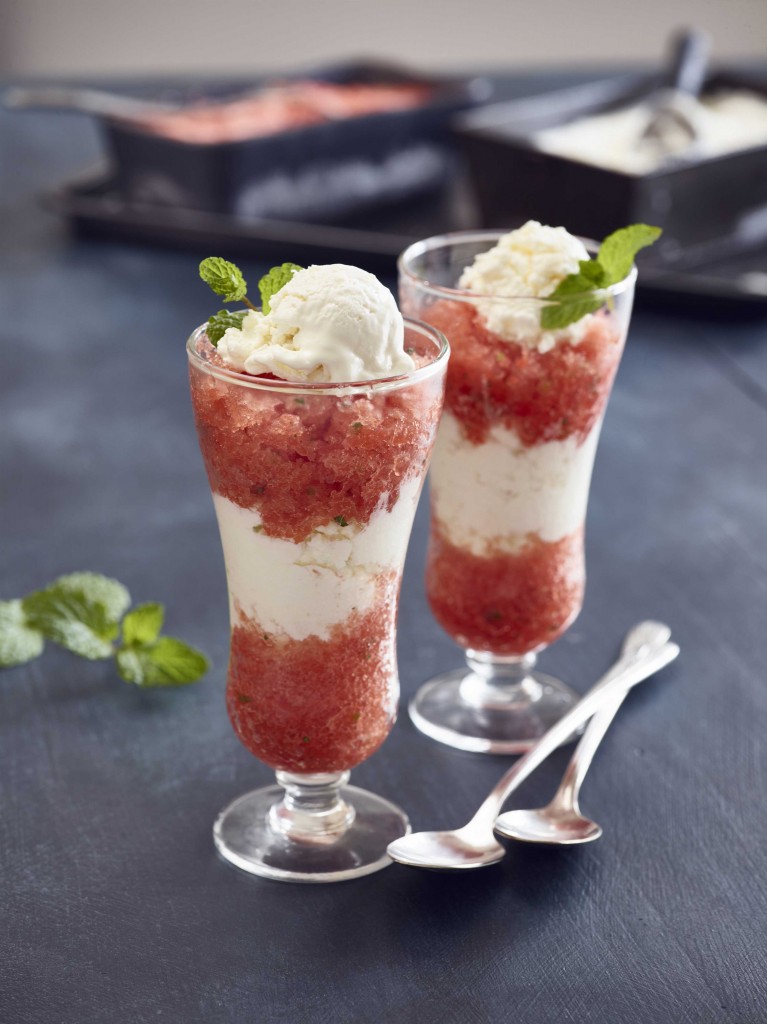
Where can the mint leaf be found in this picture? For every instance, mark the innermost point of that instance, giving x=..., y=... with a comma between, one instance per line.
x=591, y=271
x=19, y=643
x=340, y=520
x=142, y=624
x=224, y=278
x=570, y=299
x=272, y=282
x=575, y=297
x=617, y=252
x=80, y=611
x=166, y=662
x=111, y=593
x=220, y=322
x=148, y=659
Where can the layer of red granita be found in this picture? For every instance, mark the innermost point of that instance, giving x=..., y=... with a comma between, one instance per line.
x=304, y=460
x=316, y=705
x=282, y=107
x=543, y=396
x=506, y=603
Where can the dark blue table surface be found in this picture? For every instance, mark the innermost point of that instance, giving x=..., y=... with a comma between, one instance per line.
x=113, y=904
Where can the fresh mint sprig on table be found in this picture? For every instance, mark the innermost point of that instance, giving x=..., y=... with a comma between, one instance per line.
x=227, y=280
x=88, y=615
x=613, y=262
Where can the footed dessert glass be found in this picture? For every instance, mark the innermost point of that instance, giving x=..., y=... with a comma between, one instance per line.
x=315, y=488
x=509, y=487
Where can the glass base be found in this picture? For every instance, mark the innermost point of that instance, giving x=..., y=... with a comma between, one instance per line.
x=499, y=706
x=268, y=832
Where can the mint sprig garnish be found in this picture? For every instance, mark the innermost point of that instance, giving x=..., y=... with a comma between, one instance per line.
x=85, y=613
x=220, y=323
x=571, y=299
x=618, y=251
x=227, y=280
x=273, y=281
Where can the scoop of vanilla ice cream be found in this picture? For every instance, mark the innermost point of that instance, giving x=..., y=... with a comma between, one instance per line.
x=328, y=323
x=524, y=265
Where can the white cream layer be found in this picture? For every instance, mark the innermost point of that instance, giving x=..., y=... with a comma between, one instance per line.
x=489, y=496
x=307, y=588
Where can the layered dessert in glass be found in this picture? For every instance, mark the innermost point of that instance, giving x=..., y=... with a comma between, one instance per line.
x=316, y=423
x=511, y=470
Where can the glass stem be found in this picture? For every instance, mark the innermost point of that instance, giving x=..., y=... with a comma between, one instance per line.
x=497, y=681
x=311, y=811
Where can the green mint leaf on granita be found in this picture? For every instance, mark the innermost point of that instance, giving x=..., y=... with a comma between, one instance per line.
x=19, y=642
x=224, y=278
x=274, y=281
x=571, y=300
x=618, y=251
x=220, y=323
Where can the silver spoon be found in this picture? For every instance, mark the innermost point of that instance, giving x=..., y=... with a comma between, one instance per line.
x=672, y=128
x=560, y=822
x=474, y=845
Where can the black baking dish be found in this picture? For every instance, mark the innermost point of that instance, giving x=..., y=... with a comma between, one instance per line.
x=693, y=203
x=313, y=172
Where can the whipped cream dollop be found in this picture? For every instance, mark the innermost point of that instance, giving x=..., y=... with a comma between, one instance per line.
x=524, y=265
x=328, y=323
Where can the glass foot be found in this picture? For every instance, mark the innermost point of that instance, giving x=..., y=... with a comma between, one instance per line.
x=309, y=829
x=490, y=712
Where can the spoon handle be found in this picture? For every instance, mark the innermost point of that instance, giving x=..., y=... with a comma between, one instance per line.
x=627, y=672
x=566, y=795
x=87, y=101
x=689, y=61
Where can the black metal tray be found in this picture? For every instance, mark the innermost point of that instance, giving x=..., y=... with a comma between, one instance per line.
x=728, y=275
x=695, y=202
x=318, y=169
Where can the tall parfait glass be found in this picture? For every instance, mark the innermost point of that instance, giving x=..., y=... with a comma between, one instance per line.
x=509, y=488
x=315, y=488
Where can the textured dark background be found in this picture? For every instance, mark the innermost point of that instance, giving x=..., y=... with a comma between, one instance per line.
x=113, y=904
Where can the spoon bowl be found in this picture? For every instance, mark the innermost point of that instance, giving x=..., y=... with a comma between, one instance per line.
x=447, y=851
x=549, y=828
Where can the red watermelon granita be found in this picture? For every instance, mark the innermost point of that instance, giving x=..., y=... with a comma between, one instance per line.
x=510, y=481
x=535, y=347
x=316, y=418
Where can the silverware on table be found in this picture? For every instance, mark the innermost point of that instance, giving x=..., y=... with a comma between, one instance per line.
x=645, y=651
x=86, y=101
x=560, y=822
x=672, y=128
